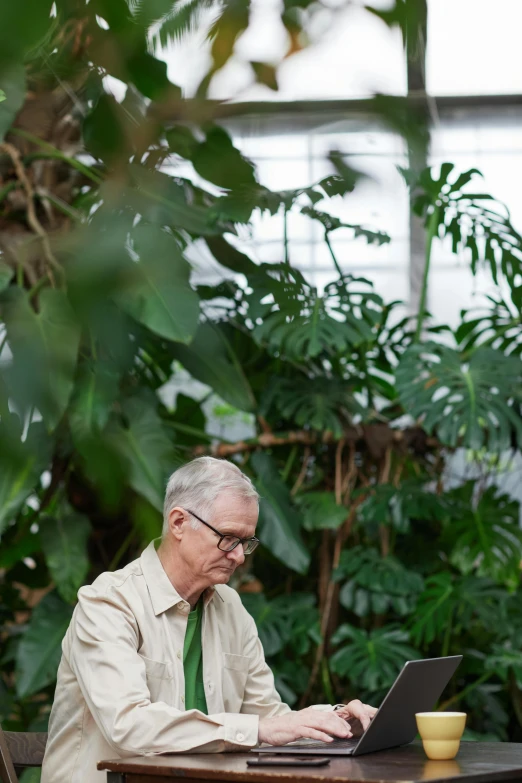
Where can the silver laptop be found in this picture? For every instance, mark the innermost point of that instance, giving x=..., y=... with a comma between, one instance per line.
x=416, y=689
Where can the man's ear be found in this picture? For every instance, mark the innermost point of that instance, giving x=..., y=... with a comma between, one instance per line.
x=177, y=521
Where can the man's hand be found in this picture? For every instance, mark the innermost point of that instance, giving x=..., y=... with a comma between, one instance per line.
x=356, y=709
x=308, y=723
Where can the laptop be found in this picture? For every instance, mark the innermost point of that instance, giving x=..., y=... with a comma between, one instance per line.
x=416, y=689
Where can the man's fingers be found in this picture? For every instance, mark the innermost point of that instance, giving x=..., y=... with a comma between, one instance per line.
x=331, y=723
x=308, y=733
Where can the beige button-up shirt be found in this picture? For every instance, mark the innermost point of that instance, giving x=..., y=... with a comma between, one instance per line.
x=121, y=685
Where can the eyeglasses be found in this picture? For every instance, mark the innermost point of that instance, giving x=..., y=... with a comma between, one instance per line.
x=227, y=543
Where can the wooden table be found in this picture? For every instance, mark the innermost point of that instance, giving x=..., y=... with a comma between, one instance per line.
x=476, y=762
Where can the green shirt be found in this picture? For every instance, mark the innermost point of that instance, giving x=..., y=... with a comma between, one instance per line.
x=193, y=662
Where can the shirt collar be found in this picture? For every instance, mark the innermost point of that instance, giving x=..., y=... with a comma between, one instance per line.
x=161, y=590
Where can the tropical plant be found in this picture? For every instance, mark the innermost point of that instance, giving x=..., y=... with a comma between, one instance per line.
x=373, y=551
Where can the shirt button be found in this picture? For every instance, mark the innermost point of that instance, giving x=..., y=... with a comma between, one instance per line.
x=240, y=737
x=183, y=700
x=178, y=654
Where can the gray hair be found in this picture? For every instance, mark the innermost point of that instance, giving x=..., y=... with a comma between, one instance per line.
x=197, y=485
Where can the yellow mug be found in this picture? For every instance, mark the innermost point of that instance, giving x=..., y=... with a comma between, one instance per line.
x=441, y=733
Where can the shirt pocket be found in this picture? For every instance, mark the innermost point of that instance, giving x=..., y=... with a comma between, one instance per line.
x=235, y=673
x=159, y=679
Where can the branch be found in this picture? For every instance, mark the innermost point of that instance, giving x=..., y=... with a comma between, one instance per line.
x=32, y=218
x=268, y=440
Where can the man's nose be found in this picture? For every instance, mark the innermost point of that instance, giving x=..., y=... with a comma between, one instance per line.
x=237, y=554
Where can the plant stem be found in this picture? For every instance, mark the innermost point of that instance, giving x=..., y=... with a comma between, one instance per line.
x=330, y=248
x=124, y=546
x=327, y=682
x=289, y=462
x=285, y=235
x=38, y=286
x=447, y=637
x=59, y=155
x=432, y=232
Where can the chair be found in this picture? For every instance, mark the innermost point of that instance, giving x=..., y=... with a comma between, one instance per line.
x=18, y=750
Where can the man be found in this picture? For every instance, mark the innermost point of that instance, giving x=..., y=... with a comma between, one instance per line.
x=161, y=656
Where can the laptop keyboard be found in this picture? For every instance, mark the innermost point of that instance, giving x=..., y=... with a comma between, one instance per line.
x=337, y=743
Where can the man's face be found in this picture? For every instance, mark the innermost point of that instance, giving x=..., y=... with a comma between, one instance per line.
x=231, y=516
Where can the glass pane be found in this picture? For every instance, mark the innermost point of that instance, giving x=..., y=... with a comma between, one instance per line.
x=474, y=47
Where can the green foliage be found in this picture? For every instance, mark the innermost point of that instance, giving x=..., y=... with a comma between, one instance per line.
x=40, y=649
x=377, y=584
x=485, y=536
x=321, y=511
x=475, y=222
x=351, y=417
x=456, y=603
x=64, y=545
x=398, y=506
x=464, y=402
x=279, y=521
x=371, y=658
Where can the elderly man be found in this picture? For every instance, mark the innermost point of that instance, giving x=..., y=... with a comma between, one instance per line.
x=161, y=656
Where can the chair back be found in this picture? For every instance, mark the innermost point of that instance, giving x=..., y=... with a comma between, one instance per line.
x=18, y=750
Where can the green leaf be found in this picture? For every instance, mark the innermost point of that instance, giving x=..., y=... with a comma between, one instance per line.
x=64, y=543
x=44, y=347
x=13, y=91
x=149, y=75
x=218, y=161
x=323, y=404
x=210, y=359
x=280, y=524
x=22, y=25
x=465, y=403
x=21, y=464
x=148, y=451
x=156, y=291
x=96, y=390
x=40, y=649
x=320, y=511
x=165, y=202
x=371, y=659
x=397, y=507
x=265, y=74
x=286, y=619
x=6, y=273
x=384, y=582
x=458, y=603
x=103, y=130
x=486, y=536
x=230, y=257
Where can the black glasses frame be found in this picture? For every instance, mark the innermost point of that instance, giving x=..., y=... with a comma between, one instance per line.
x=252, y=540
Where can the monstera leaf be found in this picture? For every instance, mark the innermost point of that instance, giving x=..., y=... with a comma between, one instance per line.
x=376, y=584
x=456, y=603
x=466, y=403
x=498, y=325
x=371, y=659
x=319, y=403
x=398, y=506
x=284, y=619
x=476, y=222
x=302, y=324
x=486, y=536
